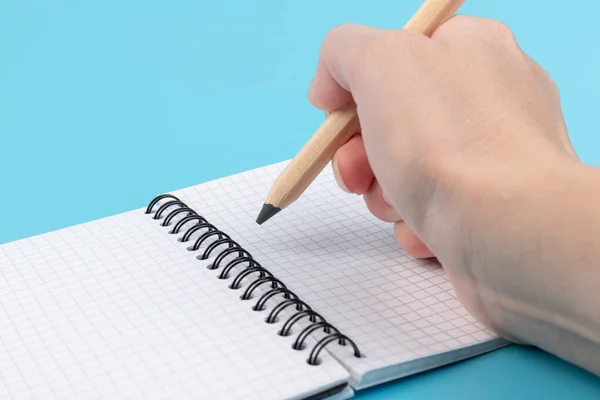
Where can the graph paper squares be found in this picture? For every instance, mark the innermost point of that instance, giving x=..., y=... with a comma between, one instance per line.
x=118, y=307
x=347, y=265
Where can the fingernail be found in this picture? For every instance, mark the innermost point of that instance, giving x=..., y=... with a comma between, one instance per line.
x=338, y=179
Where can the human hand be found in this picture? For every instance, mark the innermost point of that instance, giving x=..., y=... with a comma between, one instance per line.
x=459, y=134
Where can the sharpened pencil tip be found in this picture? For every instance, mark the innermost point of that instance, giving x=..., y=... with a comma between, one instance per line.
x=266, y=213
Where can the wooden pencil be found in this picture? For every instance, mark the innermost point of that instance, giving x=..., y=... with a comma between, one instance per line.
x=340, y=125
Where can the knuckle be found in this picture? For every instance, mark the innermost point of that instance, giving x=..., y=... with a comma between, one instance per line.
x=380, y=50
x=333, y=34
x=454, y=25
x=341, y=28
x=552, y=87
x=333, y=37
x=549, y=81
x=393, y=41
x=363, y=49
x=465, y=30
x=500, y=31
x=546, y=77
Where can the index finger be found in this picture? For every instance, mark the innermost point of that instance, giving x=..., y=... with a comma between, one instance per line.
x=340, y=55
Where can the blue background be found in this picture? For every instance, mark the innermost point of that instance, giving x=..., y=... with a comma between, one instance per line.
x=104, y=104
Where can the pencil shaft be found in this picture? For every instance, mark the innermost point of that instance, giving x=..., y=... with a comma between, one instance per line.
x=337, y=129
x=432, y=14
x=341, y=124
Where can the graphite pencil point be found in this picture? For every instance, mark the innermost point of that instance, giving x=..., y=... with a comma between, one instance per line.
x=266, y=213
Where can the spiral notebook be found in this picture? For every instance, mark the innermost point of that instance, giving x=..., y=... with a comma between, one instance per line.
x=189, y=298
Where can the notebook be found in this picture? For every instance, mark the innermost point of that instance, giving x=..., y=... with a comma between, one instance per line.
x=187, y=297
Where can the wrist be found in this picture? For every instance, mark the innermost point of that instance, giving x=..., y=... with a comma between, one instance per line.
x=540, y=277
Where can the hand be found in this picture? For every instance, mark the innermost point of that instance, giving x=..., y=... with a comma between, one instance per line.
x=394, y=74
x=461, y=136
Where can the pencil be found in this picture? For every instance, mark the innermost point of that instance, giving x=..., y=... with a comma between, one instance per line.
x=339, y=126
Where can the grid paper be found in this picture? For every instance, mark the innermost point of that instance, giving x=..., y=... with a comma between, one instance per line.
x=346, y=264
x=117, y=308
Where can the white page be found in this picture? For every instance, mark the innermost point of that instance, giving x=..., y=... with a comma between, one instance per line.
x=402, y=313
x=117, y=308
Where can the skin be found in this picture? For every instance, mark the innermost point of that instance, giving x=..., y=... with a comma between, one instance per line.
x=463, y=148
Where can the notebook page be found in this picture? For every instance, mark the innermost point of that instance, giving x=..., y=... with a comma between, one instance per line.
x=117, y=308
x=346, y=264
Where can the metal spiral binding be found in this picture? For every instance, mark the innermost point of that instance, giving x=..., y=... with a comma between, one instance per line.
x=173, y=207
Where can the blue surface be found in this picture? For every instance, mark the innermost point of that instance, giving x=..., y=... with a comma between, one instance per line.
x=105, y=104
